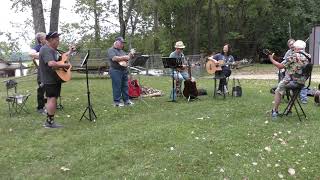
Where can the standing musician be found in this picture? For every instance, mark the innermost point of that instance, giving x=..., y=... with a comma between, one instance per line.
x=293, y=66
x=34, y=53
x=227, y=58
x=119, y=73
x=48, y=62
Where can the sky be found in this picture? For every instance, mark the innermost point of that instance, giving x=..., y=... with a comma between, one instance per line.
x=14, y=22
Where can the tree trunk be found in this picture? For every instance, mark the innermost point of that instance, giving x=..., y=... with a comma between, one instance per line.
x=219, y=24
x=196, y=34
x=210, y=16
x=124, y=20
x=38, y=18
x=156, y=43
x=96, y=23
x=121, y=20
x=54, y=15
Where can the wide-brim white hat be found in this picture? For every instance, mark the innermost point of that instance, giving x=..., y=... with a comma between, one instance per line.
x=180, y=45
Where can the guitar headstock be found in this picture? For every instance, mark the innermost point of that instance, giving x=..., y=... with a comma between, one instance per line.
x=132, y=51
x=267, y=52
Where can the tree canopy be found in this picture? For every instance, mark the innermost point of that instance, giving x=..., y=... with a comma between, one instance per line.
x=153, y=26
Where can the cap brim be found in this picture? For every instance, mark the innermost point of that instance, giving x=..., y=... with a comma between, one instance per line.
x=55, y=36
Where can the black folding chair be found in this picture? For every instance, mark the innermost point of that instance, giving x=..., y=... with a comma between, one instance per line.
x=16, y=102
x=293, y=91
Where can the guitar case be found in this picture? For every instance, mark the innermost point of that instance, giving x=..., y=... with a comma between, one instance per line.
x=134, y=90
x=236, y=89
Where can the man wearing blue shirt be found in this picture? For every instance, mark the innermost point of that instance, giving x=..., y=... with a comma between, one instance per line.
x=34, y=53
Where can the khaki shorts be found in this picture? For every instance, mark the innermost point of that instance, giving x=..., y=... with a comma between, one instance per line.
x=284, y=82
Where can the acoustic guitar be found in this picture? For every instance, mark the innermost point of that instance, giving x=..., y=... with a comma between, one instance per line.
x=125, y=63
x=190, y=88
x=212, y=66
x=64, y=74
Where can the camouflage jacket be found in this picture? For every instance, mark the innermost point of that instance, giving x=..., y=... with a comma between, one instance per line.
x=295, y=63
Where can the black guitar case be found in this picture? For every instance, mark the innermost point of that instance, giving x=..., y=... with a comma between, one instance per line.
x=236, y=89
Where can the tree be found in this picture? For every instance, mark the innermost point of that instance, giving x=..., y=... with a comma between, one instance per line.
x=123, y=19
x=37, y=14
x=54, y=15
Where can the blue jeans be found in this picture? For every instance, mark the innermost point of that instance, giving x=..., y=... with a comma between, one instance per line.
x=303, y=94
x=180, y=75
x=119, y=85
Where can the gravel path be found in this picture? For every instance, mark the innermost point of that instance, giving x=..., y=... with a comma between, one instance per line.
x=315, y=77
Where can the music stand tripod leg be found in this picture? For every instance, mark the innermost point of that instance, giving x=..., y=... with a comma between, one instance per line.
x=140, y=97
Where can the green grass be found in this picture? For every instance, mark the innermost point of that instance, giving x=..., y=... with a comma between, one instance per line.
x=205, y=139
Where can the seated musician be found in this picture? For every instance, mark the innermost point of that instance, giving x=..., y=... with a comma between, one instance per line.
x=304, y=90
x=293, y=73
x=227, y=59
x=180, y=74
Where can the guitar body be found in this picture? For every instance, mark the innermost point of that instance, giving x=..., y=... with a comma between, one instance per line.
x=212, y=67
x=190, y=88
x=64, y=74
x=124, y=63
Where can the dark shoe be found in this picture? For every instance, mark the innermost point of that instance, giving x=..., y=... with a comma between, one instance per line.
x=52, y=125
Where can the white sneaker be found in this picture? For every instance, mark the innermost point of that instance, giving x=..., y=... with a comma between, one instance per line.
x=225, y=89
x=118, y=104
x=129, y=103
x=219, y=92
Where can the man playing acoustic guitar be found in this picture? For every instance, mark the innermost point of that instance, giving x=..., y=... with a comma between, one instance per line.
x=48, y=62
x=293, y=65
x=226, y=58
x=180, y=74
x=119, y=72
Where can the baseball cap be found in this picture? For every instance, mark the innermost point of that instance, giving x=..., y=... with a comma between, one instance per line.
x=120, y=39
x=52, y=34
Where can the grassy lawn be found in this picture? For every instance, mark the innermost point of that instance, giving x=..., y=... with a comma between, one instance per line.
x=210, y=138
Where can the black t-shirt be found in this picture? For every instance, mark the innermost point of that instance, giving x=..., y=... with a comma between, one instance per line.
x=115, y=52
x=47, y=74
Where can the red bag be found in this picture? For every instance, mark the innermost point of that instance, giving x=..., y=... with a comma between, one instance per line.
x=134, y=88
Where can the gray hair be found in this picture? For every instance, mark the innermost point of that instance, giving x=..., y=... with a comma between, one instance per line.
x=290, y=40
x=39, y=35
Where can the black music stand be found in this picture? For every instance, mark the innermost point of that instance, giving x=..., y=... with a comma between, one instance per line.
x=136, y=64
x=92, y=115
x=172, y=63
x=140, y=61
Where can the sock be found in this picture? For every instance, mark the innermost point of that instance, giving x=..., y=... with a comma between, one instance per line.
x=50, y=118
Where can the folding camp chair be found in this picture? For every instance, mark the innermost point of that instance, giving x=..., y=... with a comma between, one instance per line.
x=16, y=102
x=293, y=92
